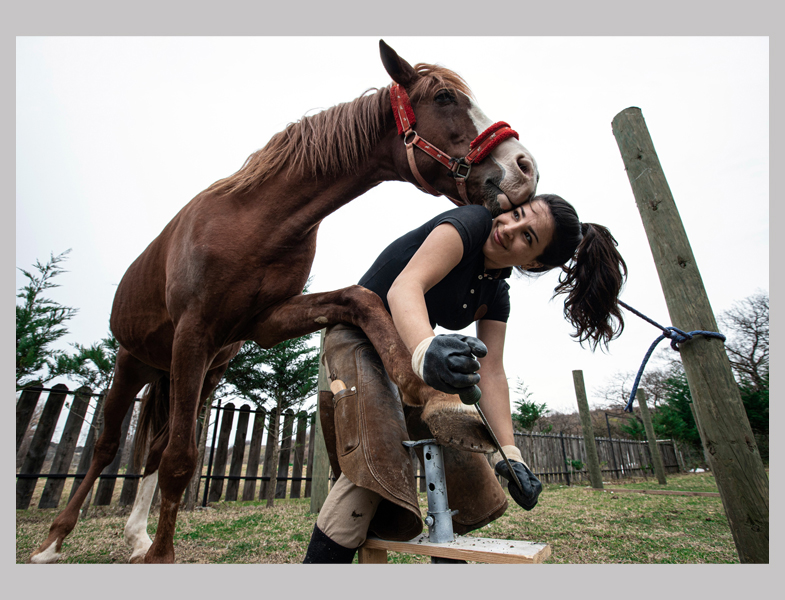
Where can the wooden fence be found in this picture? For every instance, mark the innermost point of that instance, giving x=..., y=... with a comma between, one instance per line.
x=562, y=458
x=39, y=458
x=553, y=457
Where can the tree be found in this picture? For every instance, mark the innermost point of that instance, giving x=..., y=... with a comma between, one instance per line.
x=283, y=376
x=39, y=323
x=527, y=412
x=746, y=325
x=93, y=366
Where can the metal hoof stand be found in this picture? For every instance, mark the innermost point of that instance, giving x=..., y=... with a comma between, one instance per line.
x=440, y=543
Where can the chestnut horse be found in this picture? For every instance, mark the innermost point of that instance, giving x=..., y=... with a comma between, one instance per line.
x=231, y=266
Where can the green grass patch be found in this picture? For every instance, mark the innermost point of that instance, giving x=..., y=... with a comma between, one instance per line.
x=581, y=526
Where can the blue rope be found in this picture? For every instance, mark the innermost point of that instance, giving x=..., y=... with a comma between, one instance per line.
x=676, y=336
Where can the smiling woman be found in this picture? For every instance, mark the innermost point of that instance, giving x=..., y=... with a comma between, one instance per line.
x=450, y=272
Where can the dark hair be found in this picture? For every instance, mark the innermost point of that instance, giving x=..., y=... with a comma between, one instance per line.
x=593, y=273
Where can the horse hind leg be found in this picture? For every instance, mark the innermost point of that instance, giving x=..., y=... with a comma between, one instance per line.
x=130, y=376
x=135, y=533
x=155, y=410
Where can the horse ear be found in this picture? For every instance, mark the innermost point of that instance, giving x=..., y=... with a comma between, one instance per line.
x=399, y=70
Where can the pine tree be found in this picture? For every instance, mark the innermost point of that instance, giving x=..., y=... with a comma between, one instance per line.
x=279, y=378
x=39, y=323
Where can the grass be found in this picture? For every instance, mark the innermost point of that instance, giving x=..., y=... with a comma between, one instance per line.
x=582, y=527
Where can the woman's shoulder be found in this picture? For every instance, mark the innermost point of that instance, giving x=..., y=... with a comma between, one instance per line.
x=472, y=222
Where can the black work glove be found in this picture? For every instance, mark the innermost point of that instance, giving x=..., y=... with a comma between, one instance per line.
x=449, y=366
x=531, y=485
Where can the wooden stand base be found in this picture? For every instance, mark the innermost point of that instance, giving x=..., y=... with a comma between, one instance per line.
x=485, y=550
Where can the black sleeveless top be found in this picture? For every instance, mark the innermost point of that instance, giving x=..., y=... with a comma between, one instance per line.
x=468, y=293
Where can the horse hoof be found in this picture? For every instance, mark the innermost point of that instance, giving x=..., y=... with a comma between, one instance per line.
x=137, y=559
x=46, y=557
x=457, y=425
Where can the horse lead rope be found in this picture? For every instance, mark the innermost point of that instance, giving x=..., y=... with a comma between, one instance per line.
x=677, y=336
x=479, y=148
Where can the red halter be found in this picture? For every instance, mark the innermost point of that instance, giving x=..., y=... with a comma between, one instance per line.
x=460, y=167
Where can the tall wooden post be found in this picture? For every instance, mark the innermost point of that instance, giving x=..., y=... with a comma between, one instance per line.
x=727, y=436
x=656, y=457
x=321, y=462
x=592, y=458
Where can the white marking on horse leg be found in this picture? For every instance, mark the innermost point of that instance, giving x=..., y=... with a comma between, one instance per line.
x=136, y=528
x=48, y=556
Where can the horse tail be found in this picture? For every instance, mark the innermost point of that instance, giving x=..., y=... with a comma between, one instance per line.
x=153, y=420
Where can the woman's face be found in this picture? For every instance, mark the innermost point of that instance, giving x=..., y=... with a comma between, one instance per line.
x=518, y=237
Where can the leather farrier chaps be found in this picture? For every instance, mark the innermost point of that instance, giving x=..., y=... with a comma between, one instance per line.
x=364, y=427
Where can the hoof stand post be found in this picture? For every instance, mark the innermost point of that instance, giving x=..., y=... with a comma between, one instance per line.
x=440, y=542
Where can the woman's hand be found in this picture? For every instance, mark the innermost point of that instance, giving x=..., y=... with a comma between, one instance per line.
x=447, y=362
x=526, y=498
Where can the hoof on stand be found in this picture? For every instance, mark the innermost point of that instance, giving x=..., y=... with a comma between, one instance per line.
x=457, y=425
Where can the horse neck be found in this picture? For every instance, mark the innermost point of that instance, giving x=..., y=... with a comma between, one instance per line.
x=304, y=200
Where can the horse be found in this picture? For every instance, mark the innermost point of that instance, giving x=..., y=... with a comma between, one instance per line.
x=231, y=266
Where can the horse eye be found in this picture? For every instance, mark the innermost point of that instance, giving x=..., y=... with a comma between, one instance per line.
x=444, y=97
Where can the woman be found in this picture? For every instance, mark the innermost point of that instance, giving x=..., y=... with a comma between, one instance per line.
x=450, y=272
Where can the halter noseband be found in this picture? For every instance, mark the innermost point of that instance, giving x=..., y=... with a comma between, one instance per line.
x=460, y=167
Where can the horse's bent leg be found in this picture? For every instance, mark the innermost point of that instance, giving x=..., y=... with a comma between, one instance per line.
x=130, y=376
x=451, y=422
x=178, y=460
x=354, y=305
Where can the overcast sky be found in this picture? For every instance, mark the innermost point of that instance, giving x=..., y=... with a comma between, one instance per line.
x=115, y=135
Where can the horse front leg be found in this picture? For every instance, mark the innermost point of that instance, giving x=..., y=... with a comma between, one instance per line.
x=178, y=459
x=135, y=533
x=130, y=376
x=451, y=422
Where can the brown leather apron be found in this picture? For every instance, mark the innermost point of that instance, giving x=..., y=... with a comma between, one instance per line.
x=364, y=427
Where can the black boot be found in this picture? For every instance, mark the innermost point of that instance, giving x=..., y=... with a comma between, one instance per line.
x=323, y=550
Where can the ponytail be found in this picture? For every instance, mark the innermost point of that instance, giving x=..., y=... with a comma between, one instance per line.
x=593, y=273
x=592, y=281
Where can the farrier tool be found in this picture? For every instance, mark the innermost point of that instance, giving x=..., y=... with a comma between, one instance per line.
x=472, y=395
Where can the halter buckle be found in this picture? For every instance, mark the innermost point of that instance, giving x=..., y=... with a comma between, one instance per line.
x=460, y=168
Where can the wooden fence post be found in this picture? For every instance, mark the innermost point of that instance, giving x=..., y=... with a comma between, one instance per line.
x=734, y=457
x=236, y=465
x=105, y=488
x=299, y=455
x=53, y=489
x=564, y=459
x=321, y=467
x=254, y=451
x=87, y=451
x=267, y=466
x=656, y=457
x=25, y=409
x=131, y=482
x=221, y=453
x=39, y=446
x=192, y=491
x=285, y=453
x=311, y=444
x=592, y=458
x=208, y=479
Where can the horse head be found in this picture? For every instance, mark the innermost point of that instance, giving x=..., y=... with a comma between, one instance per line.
x=448, y=145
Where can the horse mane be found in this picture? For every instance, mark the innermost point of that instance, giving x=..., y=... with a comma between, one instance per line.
x=334, y=141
